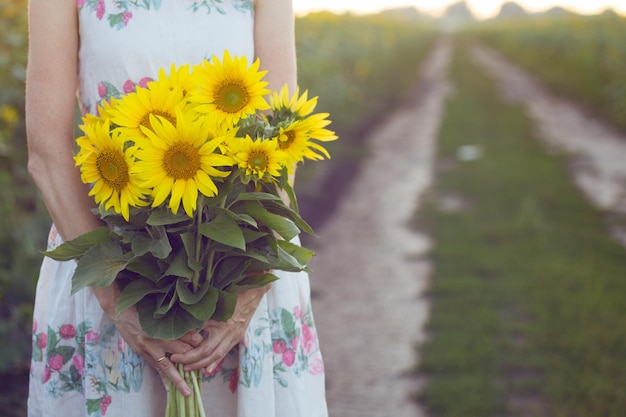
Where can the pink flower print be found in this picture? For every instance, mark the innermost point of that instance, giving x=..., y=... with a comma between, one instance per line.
x=279, y=346
x=144, y=82
x=102, y=89
x=79, y=363
x=128, y=87
x=297, y=312
x=316, y=366
x=34, y=326
x=294, y=342
x=126, y=18
x=92, y=337
x=289, y=357
x=309, y=341
x=233, y=380
x=104, y=404
x=47, y=374
x=67, y=331
x=80, y=3
x=55, y=362
x=42, y=340
x=100, y=9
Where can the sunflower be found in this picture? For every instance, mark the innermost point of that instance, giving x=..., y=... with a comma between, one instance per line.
x=294, y=141
x=178, y=161
x=231, y=88
x=178, y=78
x=260, y=158
x=316, y=125
x=298, y=105
x=106, y=163
x=134, y=111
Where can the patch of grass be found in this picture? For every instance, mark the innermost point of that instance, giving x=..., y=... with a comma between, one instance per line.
x=529, y=290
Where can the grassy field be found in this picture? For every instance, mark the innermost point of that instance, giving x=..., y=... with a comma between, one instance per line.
x=582, y=57
x=528, y=291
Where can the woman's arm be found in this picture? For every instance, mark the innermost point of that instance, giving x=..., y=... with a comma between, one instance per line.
x=275, y=42
x=51, y=83
x=275, y=47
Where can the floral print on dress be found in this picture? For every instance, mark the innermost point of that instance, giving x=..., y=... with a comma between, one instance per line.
x=294, y=344
x=79, y=359
x=209, y=5
x=121, y=12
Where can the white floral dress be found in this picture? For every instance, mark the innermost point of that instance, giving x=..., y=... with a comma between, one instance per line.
x=80, y=365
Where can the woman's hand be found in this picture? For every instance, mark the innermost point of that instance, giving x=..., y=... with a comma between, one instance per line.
x=157, y=352
x=222, y=336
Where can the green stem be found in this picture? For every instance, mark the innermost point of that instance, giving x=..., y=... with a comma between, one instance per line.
x=209, y=268
x=198, y=393
x=180, y=398
x=200, y=210
x=169, y=412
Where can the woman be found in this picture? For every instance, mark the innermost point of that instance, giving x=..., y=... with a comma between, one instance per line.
x=87, y=361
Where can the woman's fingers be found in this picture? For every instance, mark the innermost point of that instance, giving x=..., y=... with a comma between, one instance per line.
x=193, y=338
x=167, y=368
x=222, y=337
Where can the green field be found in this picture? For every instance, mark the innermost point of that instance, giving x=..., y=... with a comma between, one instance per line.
x=529, y=291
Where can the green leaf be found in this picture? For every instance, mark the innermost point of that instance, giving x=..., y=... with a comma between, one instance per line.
x=157, y=243
x=257, y=196
x=283, y=210
x=189, y=242
x=186, y=294
x=302, y=255
x=164, y=217
x=99, y=266
x=225, y=307
x=244, y=218
x=146, y=266
x=179, y=266
x=172, y=325
x=291, y=194
x=284, y=227
x=224, y=230
x=167, y=303
x=75, y=248
x=255, y=281
x=252, y=235
x=135, y=291
x=205, y=307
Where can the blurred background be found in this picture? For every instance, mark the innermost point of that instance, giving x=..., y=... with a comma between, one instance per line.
x=549, y=336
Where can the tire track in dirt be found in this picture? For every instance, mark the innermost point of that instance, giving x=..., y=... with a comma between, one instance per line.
x=371, y=267
x=596, y=151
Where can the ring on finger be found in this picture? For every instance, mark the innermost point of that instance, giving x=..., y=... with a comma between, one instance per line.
x=161, y=359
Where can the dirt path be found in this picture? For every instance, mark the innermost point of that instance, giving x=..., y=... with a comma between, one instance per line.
x=371, y=270
x=596, y=151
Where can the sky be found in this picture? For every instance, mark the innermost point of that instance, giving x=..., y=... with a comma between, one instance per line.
x=481, y=8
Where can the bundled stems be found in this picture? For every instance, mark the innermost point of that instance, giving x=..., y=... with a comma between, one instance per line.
x=181, y=406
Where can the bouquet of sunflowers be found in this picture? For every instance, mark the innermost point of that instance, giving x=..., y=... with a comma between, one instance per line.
x=204, y=138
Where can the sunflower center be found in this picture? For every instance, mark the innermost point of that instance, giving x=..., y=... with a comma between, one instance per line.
x=286, y=139
x=258, y=161
x=145, y=120
x=113, y=169
x=232, y=96
x=181, y=161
